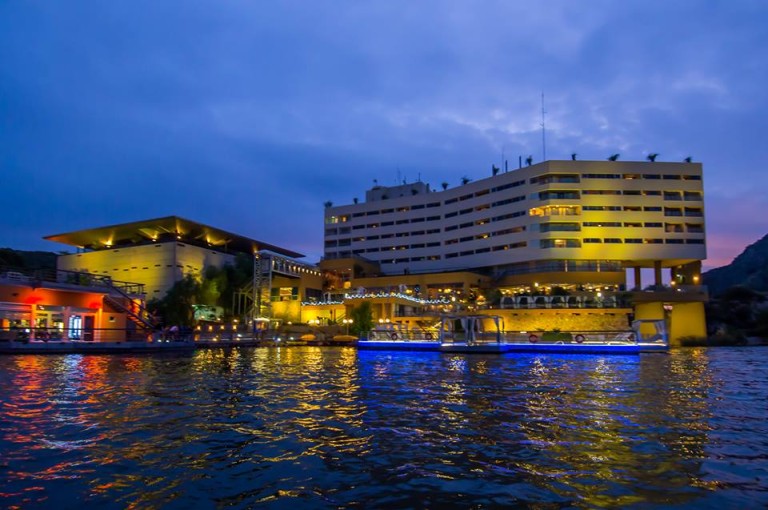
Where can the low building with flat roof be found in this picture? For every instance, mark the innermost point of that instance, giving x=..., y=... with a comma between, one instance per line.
x=159, y=252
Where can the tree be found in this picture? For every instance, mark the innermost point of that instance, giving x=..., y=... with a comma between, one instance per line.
x=529, y=160
x=328, y=204
x=354, y=200
x=444, y=185
x=465, y=180
x=688, y=159
x=176, y=306
x=414, y=192
x=362, y=318
x=652, y=157
x=613, y=157
x=573, y=156
x=494, y=169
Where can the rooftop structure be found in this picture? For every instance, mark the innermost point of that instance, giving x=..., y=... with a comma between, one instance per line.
x=169, y=228
x=159, y=252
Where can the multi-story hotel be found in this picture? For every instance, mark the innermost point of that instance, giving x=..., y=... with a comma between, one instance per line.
x=564, y=233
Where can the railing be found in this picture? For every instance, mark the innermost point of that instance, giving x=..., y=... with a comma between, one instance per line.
x=60, y=276
x=29, y=334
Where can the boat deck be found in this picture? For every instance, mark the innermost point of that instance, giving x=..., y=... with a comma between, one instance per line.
x=501, y=348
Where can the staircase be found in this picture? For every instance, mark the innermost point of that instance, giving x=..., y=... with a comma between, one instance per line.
x=122, y=302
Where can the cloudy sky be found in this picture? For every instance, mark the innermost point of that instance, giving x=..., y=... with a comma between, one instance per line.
x=250, y=115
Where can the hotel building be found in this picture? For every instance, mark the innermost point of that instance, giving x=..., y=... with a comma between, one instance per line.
x=564, y=233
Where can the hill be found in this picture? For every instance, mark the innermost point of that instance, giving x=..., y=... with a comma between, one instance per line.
x=749, y=269
x=27, y=259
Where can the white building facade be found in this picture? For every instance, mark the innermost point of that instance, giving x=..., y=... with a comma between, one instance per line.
x=553, y=217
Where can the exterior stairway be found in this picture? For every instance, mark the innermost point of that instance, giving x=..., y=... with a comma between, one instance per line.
x=136, y=313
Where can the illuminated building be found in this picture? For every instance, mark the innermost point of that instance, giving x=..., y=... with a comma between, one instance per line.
x=63, y=305
x=557, y=235
x=159, y=252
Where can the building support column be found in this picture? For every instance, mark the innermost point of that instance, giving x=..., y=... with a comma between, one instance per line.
x=657, y=273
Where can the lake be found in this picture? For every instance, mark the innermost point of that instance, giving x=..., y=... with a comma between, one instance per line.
x=331, y=427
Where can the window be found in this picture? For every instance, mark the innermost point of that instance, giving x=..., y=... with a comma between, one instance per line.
x=508, y=201
x=559, y=243
x=602, y=223
x=559, y=227
x=693, y=211
x=673, y=227
x=692, y=195
x=602, y=176
x=601, y=192
x=558, y=195
x=508, y=186
x=549, y=178
x=602, y=208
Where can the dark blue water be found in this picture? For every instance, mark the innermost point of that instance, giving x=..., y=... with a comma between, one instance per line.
x=307, y=427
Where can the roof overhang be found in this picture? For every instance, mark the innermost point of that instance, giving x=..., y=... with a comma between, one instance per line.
x=165, y=229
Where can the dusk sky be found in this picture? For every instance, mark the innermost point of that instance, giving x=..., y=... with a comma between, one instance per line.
x=248, y=116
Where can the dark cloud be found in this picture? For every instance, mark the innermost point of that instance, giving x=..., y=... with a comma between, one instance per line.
x=250, y=115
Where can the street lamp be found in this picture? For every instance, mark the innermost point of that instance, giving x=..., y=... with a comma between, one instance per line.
x=347, y=322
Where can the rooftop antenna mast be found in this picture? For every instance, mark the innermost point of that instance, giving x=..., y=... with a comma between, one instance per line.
x=543, y=130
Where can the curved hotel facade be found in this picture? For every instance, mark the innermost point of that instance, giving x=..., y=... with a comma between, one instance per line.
x=555, y=217
x=572, y=225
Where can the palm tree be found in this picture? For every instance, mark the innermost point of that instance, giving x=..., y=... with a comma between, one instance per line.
x=688, y=159
x=652, y=157
x=465, y=180
x=444, y=185
x=328, y=204
x=529, y=160
x=573, y=156
x=613, y=157
x=355, y=200
x=494, y=169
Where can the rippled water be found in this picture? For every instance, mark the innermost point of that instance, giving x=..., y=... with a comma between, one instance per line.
x=313, y=427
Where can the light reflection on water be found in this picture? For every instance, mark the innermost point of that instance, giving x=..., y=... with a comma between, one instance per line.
x=334, y=428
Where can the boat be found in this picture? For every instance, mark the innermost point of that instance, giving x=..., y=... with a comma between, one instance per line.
x=472, y=334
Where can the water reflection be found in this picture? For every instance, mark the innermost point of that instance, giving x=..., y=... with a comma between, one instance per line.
x=331, y=427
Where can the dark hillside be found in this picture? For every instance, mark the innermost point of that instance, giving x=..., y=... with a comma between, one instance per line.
x=750, y=270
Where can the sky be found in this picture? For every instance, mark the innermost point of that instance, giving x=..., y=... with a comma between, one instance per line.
x=249, y=116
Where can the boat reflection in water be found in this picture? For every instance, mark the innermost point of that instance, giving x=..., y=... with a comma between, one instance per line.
x=337, y=427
